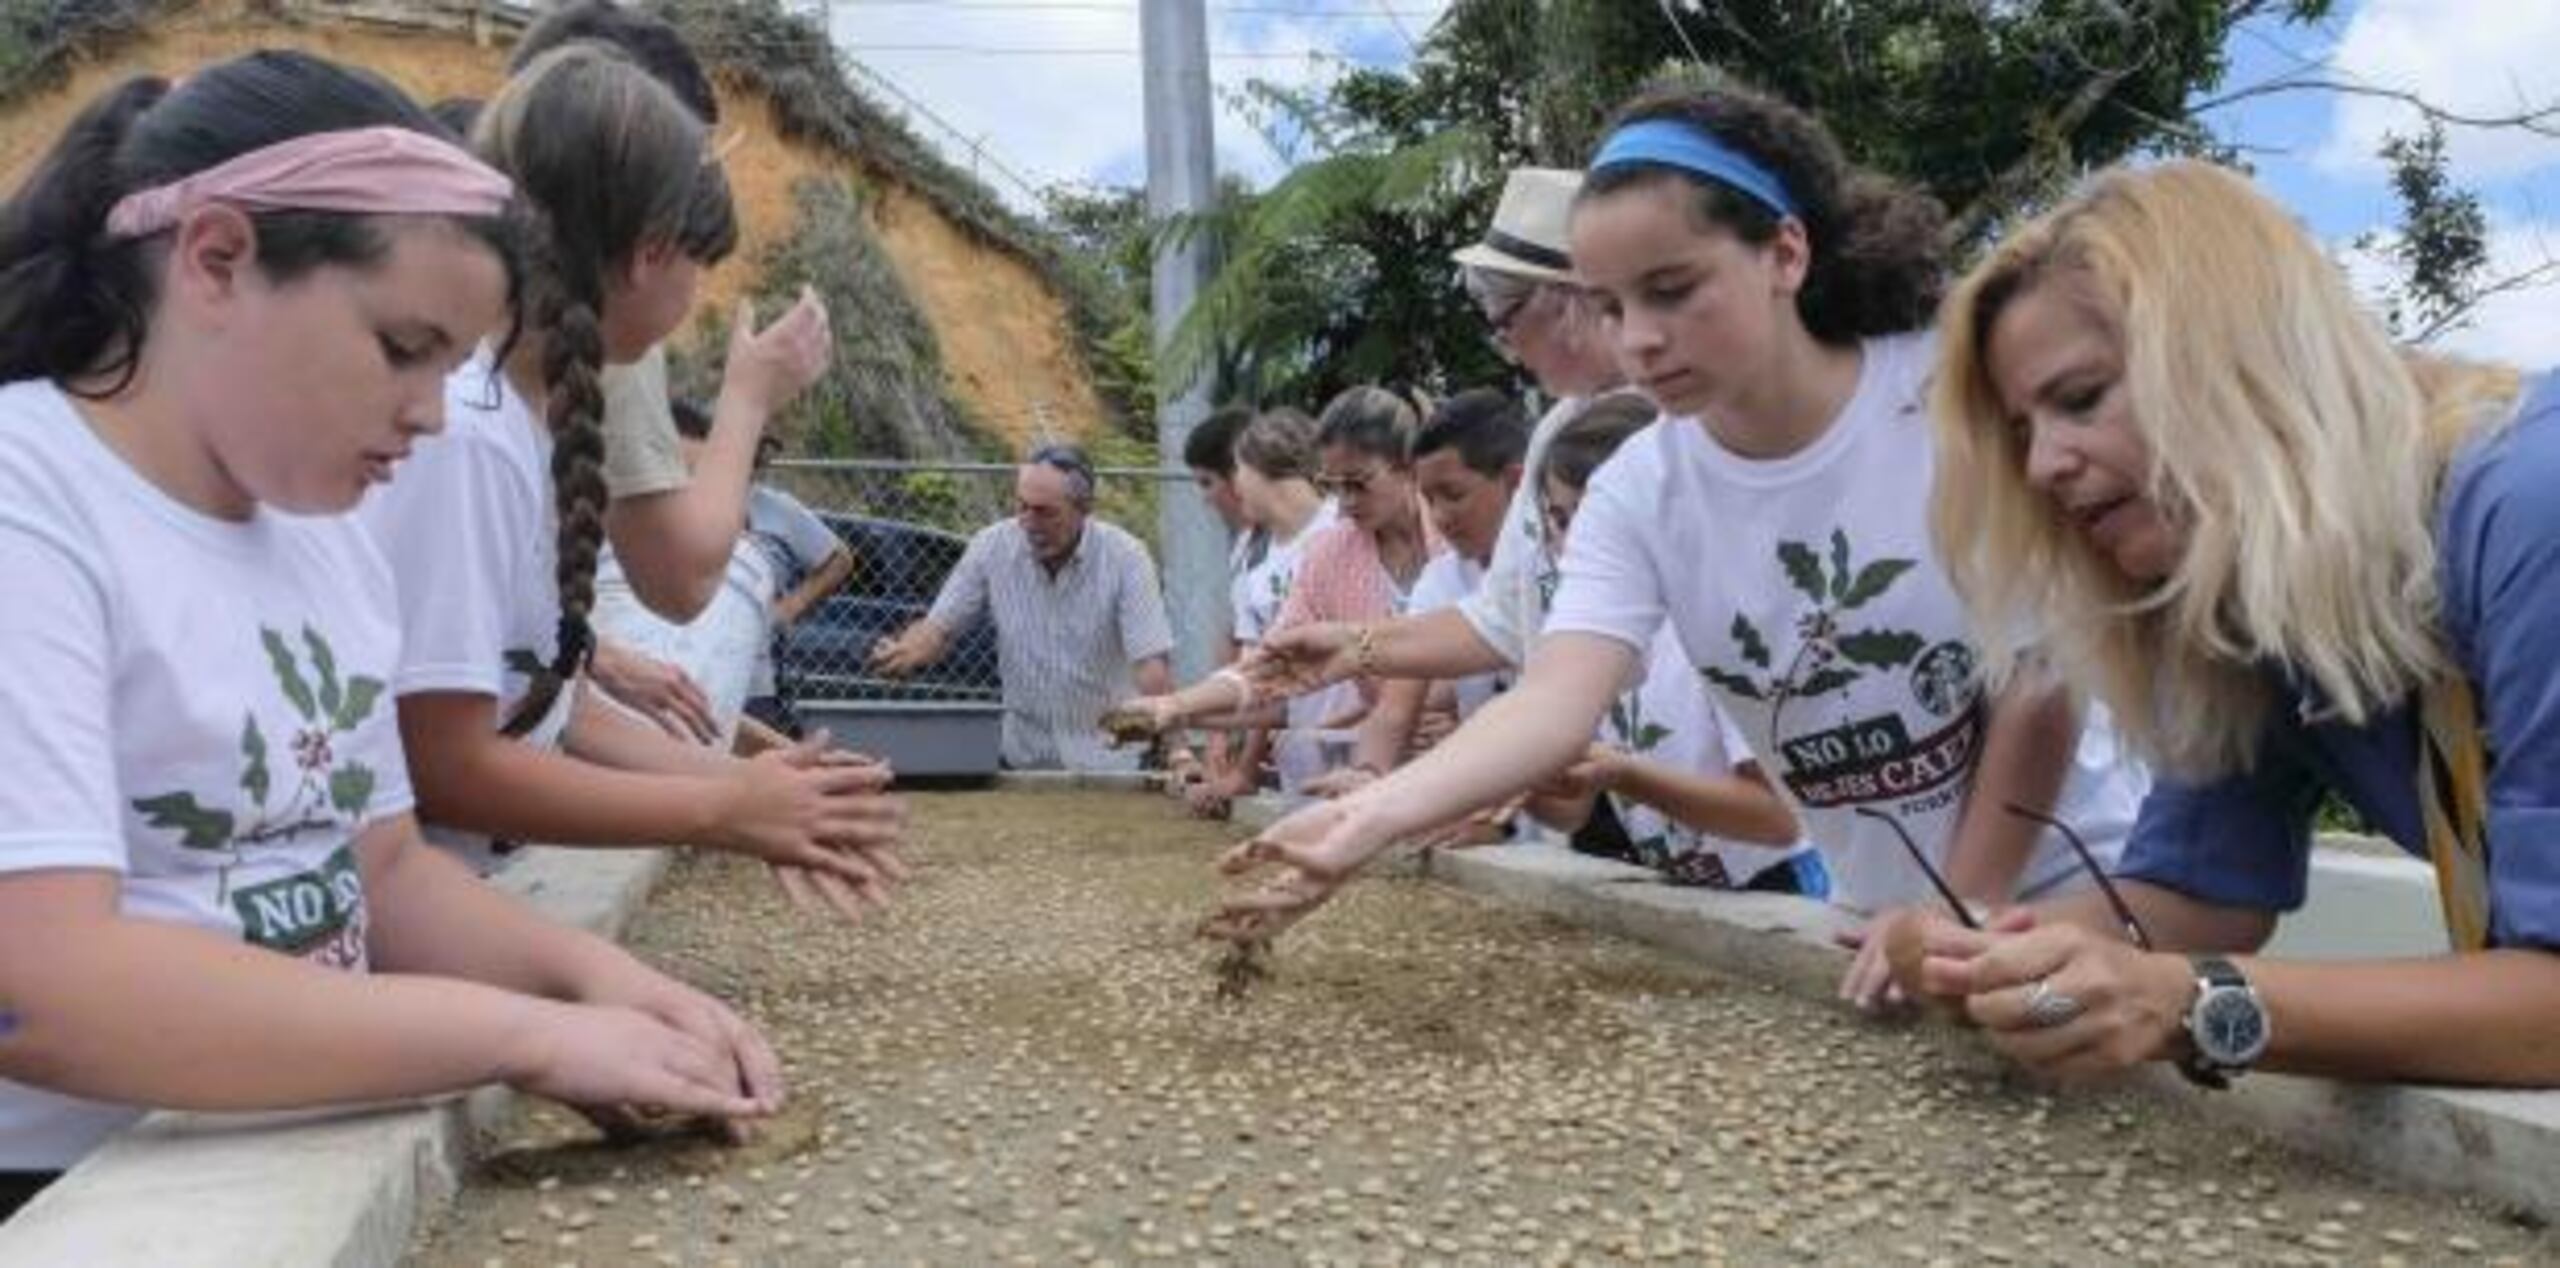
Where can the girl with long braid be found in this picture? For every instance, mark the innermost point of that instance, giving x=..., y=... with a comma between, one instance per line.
x=495, y=532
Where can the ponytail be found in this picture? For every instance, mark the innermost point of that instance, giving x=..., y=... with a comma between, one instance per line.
x=72, y=304
x=76, y=305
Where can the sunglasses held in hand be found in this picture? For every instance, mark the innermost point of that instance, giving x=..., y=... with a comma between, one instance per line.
x=2133, y=928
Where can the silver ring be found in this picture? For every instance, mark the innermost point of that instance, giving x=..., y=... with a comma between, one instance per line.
x=2048, y=1008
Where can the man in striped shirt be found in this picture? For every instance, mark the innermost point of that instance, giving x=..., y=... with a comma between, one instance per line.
x=1079, y=621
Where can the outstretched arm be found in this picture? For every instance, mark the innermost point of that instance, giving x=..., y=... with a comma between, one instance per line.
x=674, y=546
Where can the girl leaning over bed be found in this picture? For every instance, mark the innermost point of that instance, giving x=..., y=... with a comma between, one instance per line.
x=495, y=534
x=226, y=310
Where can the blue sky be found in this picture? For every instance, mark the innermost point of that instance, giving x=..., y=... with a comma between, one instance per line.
x=998, y=75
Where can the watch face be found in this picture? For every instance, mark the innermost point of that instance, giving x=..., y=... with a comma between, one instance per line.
x=2230, y=1027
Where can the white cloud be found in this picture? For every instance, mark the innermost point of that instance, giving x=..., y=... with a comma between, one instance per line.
x=2480, y=57
x=2519, y=327
x=1081, y=117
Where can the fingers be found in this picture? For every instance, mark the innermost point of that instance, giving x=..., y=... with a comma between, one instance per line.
x=693, y=708
x=1864, y=985
x=2010, y=960
x=887, y=860
x=758, y=1063
x=672, y=724
x=846, y=779
x=693, y=1089
x=848, y=900
x=866, y=826
x=795, y=883
x=827, y=861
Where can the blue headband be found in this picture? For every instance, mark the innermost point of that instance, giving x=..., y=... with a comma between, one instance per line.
x=1690, y=149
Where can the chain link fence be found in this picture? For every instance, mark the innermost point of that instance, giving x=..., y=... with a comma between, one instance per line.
x=907, y=525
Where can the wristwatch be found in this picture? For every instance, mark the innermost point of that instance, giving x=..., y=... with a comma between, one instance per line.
x=2227, y=1024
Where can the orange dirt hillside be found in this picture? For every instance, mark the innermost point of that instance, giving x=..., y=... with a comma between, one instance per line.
x=1006, y=341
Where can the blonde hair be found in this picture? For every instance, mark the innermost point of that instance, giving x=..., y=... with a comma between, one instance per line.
x=2292, y=443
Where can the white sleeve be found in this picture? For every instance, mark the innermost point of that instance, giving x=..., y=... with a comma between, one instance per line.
x=1241, y=627
x=1495, y=607
x=458, y=529
x=1612, y=585
x=963, y=598
x=1438, y=586
x=58, y=801
x=1145, y=630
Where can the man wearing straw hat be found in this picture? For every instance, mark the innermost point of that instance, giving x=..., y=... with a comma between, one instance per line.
x=1521, y=279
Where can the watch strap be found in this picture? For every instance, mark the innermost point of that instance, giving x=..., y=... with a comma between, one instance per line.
x=2213, y=973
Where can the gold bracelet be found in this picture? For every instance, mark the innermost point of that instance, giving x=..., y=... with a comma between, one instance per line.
x=1364, y=651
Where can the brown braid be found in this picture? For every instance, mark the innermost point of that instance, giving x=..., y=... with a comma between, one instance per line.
x=607, y=161
x=572, y=359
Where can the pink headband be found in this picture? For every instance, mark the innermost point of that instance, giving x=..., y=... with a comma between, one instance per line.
x=377, y=171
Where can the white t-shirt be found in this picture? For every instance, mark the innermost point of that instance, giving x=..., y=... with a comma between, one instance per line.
x=1299, y=751
x=1672, y=720
x=1245, y=553
x=195, y=704
x=1266, y=585
x=468, y=528
x=1446, y=582
x=723, y=648
x=1805, y=592
x=1509, y=607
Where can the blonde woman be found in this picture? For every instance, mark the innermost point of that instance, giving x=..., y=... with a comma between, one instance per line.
x=2285, y=555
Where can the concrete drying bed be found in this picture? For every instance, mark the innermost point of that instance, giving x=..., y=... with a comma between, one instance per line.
x=1024, y=1062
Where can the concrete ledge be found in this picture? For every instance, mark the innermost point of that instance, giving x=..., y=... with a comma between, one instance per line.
x=1079, y=781
x=340, y=1187
x=2503, y=1146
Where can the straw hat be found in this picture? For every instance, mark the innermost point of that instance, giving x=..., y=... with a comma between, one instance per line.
x=1528, y=239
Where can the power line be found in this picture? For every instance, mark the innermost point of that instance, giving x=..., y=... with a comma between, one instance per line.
x=999, y=50
x=1370, y=13
x=857, y=49
x=1403, y=31
x=1668, y=15
x=977, y=147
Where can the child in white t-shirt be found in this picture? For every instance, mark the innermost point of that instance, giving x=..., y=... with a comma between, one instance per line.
x=1772, y=299
x=1680, y=778
x=229, y=308
x=497, y=571
x=1274, y=483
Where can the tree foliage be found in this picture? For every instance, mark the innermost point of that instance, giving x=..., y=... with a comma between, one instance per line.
x=1339, y=273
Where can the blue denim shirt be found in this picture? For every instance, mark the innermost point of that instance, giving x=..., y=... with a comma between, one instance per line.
x=2245, y=840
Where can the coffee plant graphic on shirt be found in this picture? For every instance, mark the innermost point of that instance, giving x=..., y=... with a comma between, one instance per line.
x=1870, y=758
x=1829, y=653
x=1640, y=735
x=319, y=792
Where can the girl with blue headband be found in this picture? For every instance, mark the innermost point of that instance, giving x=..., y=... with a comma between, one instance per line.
x=1773, y=299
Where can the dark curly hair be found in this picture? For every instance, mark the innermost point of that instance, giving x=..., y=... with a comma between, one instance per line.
x=1879, y=258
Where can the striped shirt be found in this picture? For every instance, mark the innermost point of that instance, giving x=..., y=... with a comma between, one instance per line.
x=1065, y=642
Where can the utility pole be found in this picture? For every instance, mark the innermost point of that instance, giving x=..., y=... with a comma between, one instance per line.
x=1181, y=180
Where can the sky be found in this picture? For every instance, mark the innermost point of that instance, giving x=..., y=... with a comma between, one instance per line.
x=1039, y=91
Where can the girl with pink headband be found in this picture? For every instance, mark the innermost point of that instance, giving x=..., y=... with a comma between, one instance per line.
x=226, y=311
